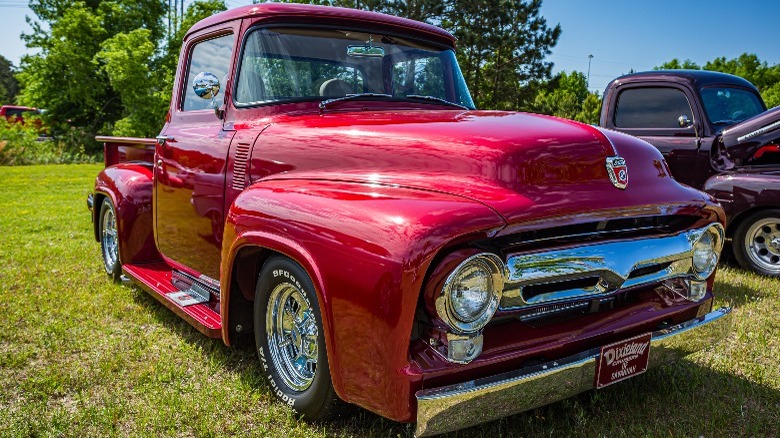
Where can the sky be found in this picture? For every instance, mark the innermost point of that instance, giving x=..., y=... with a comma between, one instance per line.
x=620, y=34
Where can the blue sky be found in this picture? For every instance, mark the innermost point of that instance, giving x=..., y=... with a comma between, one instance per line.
x=620, y=34
x=627, y=34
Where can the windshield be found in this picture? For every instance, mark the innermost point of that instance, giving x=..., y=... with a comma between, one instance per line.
x=281, y=64
x=726, y=106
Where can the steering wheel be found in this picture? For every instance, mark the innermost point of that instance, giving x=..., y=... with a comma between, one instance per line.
x=737, y=115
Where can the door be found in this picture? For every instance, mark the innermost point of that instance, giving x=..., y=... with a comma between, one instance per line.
x=191, y=158
x=665, y=117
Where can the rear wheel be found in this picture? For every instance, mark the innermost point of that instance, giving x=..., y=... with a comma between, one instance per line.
x=756, y=242
x=290, y=340
x=109, y=240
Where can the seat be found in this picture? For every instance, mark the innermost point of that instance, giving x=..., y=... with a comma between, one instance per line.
x=335, y=88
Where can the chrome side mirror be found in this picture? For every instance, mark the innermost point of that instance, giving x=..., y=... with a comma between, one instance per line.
x=684, y=121
x=206, y=85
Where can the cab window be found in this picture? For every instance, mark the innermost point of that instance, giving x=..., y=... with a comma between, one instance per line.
x=655, y=107
x=212, y=56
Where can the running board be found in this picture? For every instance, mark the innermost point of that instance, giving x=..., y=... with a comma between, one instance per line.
x=158, y=280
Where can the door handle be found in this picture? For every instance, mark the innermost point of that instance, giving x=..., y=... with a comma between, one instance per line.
x=162, y=139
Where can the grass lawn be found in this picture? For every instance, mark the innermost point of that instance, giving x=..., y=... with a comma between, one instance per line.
x=82, y=356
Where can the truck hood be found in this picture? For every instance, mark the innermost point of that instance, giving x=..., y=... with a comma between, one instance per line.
x=526, y=167
x=749, y=140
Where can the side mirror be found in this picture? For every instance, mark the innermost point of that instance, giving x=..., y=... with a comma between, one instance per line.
x=206, y=85
x=684, y=121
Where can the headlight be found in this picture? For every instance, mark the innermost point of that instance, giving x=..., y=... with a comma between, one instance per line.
x=471, y=293
x=706, y=251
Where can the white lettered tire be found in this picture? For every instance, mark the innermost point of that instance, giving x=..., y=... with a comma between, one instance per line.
x=290, y=340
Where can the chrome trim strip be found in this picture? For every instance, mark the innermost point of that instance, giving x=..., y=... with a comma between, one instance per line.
x=466, y=404
x=611, y=262
x=759, y=131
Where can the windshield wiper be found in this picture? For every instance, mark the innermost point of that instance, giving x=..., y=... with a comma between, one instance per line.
x=436, y=99
x=324, y=104
x=725, y=122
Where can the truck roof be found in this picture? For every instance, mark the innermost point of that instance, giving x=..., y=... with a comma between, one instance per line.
x=322, y=15
x=697, y=78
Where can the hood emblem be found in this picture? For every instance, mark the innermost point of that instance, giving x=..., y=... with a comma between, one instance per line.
x=617, y=171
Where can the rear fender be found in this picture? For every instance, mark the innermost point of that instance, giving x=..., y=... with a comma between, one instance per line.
x=129, y=186
x=367, y=249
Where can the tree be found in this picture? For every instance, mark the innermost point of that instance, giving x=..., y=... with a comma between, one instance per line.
x=675, y=64
x=567, y=95
x=104, y=66
x=65, y=77
x=9, y=86
x=765, y=77
x=501, y=48
x=126, y=58
x=748, y=66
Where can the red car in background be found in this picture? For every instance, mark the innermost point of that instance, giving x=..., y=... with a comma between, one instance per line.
x=17, y=113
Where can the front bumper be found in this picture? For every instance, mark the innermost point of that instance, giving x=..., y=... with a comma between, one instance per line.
x=457, y=406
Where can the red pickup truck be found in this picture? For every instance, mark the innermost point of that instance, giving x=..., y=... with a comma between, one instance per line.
x=717, y=136
x=324, y=186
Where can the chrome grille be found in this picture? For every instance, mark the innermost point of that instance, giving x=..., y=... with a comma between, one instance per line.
x=592, y=271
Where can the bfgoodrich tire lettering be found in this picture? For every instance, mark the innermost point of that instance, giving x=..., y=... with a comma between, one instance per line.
x=290, y=340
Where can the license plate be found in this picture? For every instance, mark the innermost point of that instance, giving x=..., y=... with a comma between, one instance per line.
x=622, y=360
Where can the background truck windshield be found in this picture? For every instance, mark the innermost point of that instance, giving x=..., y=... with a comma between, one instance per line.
x=727, y=105
x=281, y=64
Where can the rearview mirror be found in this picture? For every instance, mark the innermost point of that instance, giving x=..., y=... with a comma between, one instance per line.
x=684, y=121
x=365, y=51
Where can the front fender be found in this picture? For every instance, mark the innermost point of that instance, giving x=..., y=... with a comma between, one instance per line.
x=744, y=192
x=367, y=249
x=130, y=188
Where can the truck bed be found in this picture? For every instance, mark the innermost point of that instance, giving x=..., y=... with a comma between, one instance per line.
x=127, y=149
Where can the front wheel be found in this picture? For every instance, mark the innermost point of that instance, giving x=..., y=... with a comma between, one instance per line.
x=290, y=340
x=756, y=242
x=109, y=240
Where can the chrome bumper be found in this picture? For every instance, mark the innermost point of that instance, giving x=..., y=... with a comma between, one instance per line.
x=454, y=407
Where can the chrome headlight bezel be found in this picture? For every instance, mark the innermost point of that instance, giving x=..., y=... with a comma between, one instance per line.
x=445, y=300
x=710, y=243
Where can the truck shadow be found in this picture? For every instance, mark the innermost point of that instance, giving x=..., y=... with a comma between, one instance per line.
x=687, y=398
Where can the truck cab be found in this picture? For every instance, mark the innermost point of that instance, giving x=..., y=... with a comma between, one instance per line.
x=715, y=133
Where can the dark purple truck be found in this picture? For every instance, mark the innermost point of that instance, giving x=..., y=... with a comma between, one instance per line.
x=716, y=135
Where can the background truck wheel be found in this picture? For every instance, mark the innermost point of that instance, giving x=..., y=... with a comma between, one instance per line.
x=291, y=342
x=756, y=242
x=109, y=240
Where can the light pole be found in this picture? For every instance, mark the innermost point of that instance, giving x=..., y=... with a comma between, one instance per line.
x=590, y=58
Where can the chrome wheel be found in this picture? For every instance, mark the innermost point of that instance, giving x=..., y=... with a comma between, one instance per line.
x=762, y=244
x=292, y=336
x=109, y=238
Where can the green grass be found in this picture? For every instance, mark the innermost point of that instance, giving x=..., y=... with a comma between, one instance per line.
x=81, y=356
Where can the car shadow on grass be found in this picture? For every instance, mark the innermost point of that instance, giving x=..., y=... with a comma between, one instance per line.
x=685, y=398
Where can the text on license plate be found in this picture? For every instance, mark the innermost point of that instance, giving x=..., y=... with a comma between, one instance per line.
x=622, y=360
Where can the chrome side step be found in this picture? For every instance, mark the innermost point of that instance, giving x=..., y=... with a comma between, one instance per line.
x=194, y=290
